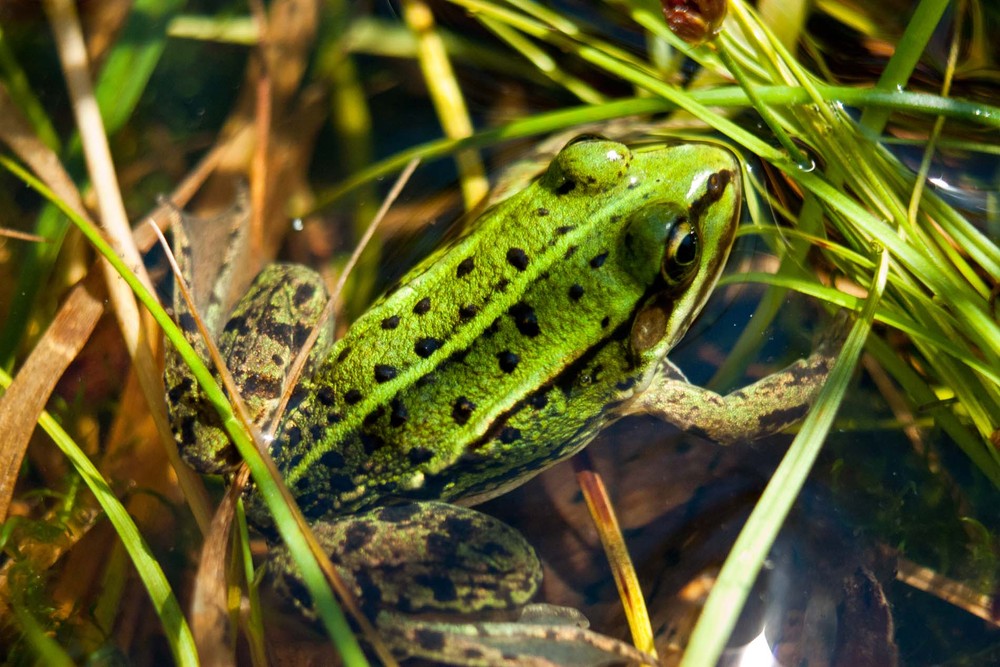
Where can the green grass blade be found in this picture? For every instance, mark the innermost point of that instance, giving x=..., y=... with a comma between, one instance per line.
x=49, y=651
x=167, y=608
x=133, y=58
x=326, y=606
x=129, y=66
x=725, y=602
x=908, y=51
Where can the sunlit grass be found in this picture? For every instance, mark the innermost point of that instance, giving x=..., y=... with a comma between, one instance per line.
x=933, y=260
x=915, y=264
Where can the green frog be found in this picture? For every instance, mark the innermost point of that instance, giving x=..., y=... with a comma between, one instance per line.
x=502, y=353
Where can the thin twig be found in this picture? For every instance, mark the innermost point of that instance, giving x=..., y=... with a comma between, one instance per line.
x=73, y=57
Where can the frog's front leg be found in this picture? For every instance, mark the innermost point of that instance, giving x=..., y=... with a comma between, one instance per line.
x=259, y=344
x=763, y=408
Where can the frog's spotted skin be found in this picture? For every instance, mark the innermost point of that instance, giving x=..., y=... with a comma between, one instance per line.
x=511, y=349
x=500, y=354
x=474, y=562
x=290, y=298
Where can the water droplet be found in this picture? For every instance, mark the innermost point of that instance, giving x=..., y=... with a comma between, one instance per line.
x=297, y=225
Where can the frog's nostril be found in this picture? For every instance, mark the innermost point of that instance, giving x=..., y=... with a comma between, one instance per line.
x=566, y=187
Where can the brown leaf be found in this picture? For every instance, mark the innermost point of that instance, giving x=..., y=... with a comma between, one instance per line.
x=27, y=395
x=213, y=630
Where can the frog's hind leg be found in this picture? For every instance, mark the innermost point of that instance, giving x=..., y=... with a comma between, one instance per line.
x=421, y=558
x=450, y=585
x=763, y=408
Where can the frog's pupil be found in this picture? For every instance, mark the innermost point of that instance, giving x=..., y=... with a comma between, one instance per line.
x=681, y=253
x=688, y=250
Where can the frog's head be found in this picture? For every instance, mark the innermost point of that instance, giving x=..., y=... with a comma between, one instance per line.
x=673, y=210
x=678, y=242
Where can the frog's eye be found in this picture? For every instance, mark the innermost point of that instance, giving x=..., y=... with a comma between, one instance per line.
x=681, y=253
x=660, y=242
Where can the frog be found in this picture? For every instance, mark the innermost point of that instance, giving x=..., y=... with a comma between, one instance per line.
x=507, y=350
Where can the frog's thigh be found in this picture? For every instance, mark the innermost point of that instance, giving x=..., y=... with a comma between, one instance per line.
x=423, y=557
x=763, y=408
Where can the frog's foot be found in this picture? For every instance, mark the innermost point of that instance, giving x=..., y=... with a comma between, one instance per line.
x=543, y=635
x=763, y=408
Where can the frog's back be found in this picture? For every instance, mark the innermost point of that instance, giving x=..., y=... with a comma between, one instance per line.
x=500, y=354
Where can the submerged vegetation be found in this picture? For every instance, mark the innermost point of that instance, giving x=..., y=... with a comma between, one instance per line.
x=869, y=137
